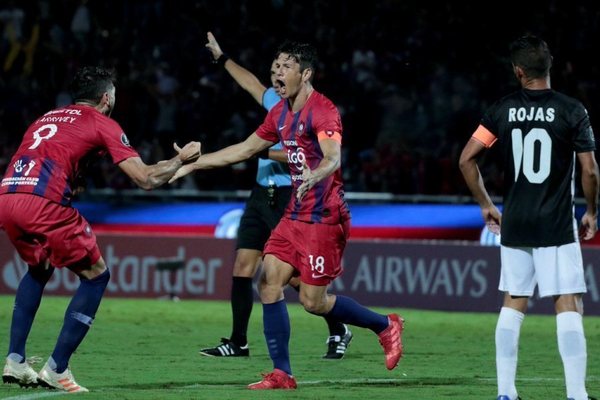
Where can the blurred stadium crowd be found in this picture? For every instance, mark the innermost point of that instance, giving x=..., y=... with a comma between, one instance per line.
x=411, y=79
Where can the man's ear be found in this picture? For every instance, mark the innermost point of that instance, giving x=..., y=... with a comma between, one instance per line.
x=519, y=73
x=105, y=106
x=307, y=74
x=106, y=101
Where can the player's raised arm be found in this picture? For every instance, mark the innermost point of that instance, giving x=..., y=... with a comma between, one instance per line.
x=227, y=156
x=246, y=79
x=151, y=176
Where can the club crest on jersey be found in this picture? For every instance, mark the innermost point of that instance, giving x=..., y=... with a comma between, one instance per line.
x=301, y=128
x=124, y=140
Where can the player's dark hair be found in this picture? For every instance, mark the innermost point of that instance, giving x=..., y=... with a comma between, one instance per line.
x=532, y=55
x=90, y=83
x=303, y=53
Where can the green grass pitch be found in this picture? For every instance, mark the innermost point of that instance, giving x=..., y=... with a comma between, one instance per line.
x=148, y=349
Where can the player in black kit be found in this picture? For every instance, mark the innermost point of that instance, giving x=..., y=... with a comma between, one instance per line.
x=540, y=132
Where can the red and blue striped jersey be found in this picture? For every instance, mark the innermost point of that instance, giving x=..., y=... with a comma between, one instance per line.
x=299, y=134
x=56, y=148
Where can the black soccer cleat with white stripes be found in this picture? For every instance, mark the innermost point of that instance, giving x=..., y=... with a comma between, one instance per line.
x=226, y=349
x=337, y=345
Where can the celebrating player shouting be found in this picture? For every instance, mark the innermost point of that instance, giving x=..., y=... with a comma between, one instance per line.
x=311, y=237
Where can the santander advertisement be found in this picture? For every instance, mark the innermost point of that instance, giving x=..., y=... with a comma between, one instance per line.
x=453, y=277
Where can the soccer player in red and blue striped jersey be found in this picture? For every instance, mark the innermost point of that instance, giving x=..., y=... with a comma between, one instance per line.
x=36, y=213
x=310, y=238
x=262, y=213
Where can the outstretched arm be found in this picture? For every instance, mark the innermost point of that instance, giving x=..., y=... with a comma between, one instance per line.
x=589, y=183
x=470, y=171
x=278, y=155
x=246, y=79
x=149, y=177
x=229, y=155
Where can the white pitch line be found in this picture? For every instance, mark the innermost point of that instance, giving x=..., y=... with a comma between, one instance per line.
x=387, y=380
x=540, y=379
x=391, y=380
x=319, y=382
x=35, y=396
x=351, y=381
x=41, y=395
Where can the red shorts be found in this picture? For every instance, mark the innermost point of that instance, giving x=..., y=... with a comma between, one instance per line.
x=43, y=230
x=314, y=250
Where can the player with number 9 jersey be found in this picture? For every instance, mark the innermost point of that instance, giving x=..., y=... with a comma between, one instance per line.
x=36, y=213
x=56, y=147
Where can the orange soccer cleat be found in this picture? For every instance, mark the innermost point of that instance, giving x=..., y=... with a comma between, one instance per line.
x=391, y=341
x=277, y=379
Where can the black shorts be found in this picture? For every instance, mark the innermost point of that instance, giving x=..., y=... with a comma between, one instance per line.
x=260, y=218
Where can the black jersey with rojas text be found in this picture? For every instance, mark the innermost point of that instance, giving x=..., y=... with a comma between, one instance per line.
x=540, y=132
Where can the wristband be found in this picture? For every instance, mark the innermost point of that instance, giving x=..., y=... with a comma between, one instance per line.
x=221, y=60
x=264, y=154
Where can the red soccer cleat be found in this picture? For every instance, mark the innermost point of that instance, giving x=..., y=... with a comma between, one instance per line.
x=391, y=341
x=277, y=379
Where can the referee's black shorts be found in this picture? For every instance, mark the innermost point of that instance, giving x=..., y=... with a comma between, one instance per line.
x=260, y=218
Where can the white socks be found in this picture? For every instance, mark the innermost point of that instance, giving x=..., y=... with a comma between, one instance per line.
x=572, y=348
x=571, y=345
x=507, y=348
x=16, y=357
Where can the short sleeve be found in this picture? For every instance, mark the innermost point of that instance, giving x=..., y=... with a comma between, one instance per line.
x=327, y=120
x=114, y=138
x=490, y=118
x=268, y=129
x=583, y=139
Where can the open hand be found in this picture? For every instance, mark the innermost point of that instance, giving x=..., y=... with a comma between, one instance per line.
x=183, y=171
x=308, y=181
x=213, y=46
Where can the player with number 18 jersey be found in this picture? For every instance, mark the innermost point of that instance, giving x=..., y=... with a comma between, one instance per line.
x=300, y=134
x=540, y=131
x=322, y=218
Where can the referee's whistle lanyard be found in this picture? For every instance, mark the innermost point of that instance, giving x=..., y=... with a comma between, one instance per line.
x=271, y=194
